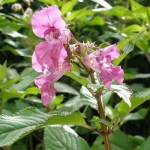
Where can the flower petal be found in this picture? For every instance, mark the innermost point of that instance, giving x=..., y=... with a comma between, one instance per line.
x=44, y=19
x=47, y=89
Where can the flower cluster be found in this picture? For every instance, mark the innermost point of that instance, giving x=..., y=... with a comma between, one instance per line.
x=100, y=61
x=49, y=56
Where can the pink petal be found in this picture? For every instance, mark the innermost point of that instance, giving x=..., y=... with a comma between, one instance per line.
x=47, y=53
x=61, y=70
x=44, y=19
x=111, y=51
x=47, y=89
x=110, y=74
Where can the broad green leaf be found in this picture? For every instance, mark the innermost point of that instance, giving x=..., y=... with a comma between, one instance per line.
x=2, y=2
x=136, y=115
x=80, y=14
x=137, y=99
x=68, y=6
x=146, y=144
x=65, y=88
x=118, y=11
x=128, y=48
x=13, y=128
x=97, y=145
x=7, y=94
x=32, y=90
x=56, y=138
x=132, y=28
x=96, y=21
x=77, y=77
x=123, y=92
x=3, y=72
x=26, y=78
x=9, y=83
x=125, y=143
x=11, y=32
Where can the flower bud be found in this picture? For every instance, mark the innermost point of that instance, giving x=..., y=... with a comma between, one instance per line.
x=16, y=7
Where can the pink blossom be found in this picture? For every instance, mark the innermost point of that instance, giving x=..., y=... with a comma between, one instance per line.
x=48, y=23
x=47, y=89
x=49, y=54
x=100, y=61
x=49, y=59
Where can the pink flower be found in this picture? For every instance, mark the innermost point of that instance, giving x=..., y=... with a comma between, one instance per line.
x=49, y=59
x=48, y=23
x=47, y=89
x=100, y=61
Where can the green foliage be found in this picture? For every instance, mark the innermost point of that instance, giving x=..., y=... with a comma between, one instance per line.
x=63, y=138
x=126, y=23
x=19, y=125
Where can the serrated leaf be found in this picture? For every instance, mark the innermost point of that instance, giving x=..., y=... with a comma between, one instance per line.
x=64, y=138
x=123, y=92
x=137, y=99
x=13, y=128
x=86, y=96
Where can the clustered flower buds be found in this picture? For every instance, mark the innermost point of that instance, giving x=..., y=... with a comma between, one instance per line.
x=51, y=56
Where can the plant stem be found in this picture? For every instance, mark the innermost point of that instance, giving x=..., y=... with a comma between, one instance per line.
x=105, y=131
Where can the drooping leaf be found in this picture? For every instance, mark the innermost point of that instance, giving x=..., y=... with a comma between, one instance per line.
x=137, y=99
x=57, y=138
x=19, y=125
x=123, y=92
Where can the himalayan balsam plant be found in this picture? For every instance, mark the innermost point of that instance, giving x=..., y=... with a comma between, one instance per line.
x=55, y=56
x=95, y=68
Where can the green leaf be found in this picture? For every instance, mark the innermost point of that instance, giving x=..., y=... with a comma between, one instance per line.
x=86, y=96
x=52, y=2
x=77, y=77
x=132, y=28
x=32, y=90
x=65, y=88
x=137, y=99
x=2, y=2
x=146, y=144
x=96, y=21
x=26, y=78
x=68, y=6
x=64, y=138
x=9, y=83
x=128, y=48
x=123, y=92
x=11, y=32
x=13, y=128
x=125, y=143
x=3, y=72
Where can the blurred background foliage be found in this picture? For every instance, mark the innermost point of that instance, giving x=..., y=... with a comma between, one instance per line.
x=126, y=23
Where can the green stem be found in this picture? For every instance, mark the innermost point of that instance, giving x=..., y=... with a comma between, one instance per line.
x=97, y=95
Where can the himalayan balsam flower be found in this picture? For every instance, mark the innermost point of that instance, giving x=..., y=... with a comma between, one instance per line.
x=100, y=61
x=49, y=56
